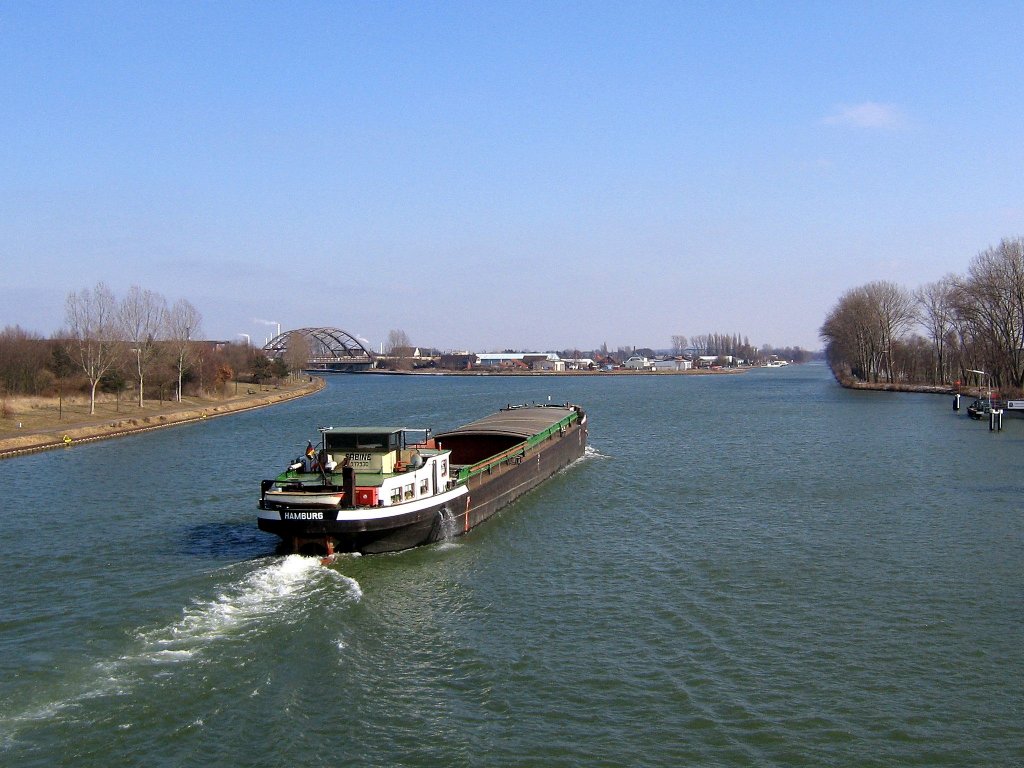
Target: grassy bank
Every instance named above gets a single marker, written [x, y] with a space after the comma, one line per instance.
[849, 382]
[932, 389]
[29, 424]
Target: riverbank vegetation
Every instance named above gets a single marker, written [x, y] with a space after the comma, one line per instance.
[966, 329]
[138, 347]
[30, 423]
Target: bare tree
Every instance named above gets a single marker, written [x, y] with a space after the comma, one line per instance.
[974, 323]
[297, 355]
[143, 318]
[24, 359]
[92, 327]
[893, 310]
[853, 342]
[936, 313]
[679, 344]
[990, 302]
[398, 340]
[183, 323]
[399, 348]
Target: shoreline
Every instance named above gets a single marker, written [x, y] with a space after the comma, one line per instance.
[921, 389]
[914, 389]
[482, 372]
[70, 433]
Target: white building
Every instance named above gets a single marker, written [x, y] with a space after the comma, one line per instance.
[672, 364]
[537, 361]
[706, 361]
[637, 363]
[547, 364]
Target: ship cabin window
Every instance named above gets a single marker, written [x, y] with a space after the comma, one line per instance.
[396, 496]
[410, 491]
[347, 442]
[424, 487]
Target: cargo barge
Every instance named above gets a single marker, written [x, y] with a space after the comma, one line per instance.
[385, 489]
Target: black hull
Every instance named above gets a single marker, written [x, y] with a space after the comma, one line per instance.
[368, 535]
[489, 492]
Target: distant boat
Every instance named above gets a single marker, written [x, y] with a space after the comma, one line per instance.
[775, 363]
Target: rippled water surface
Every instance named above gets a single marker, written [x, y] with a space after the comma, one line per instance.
[760, 569]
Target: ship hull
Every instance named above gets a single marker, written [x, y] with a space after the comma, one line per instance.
[365, 530]
[489, 494]
[492, 485]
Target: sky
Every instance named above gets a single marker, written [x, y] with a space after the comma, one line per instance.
[503, 175]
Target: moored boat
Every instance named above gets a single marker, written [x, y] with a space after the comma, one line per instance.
[384, 489]
[982, 406]
[979, 408]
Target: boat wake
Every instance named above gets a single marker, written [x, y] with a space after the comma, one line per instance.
[448, 529]
[43, 711]
[590, 452]
[271, 592]
[248, 604]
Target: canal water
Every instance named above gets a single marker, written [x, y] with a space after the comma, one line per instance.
[752, 570]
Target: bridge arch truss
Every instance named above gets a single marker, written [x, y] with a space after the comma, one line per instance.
[330, 349]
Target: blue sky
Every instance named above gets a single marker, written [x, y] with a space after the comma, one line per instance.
[504, 175]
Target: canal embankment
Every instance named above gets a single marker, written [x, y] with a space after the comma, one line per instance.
[42, 429]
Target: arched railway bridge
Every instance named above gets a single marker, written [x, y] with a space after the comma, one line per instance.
[328, 350]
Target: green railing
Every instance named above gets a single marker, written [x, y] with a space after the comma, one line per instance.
[517, 451]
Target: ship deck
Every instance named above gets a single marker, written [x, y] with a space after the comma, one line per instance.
[523, 422]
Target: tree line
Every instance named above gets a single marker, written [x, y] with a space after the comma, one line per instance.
[107, 342]
[967, 328]
[734, 346]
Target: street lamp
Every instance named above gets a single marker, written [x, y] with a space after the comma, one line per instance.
[248, 341]
[983, 375]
